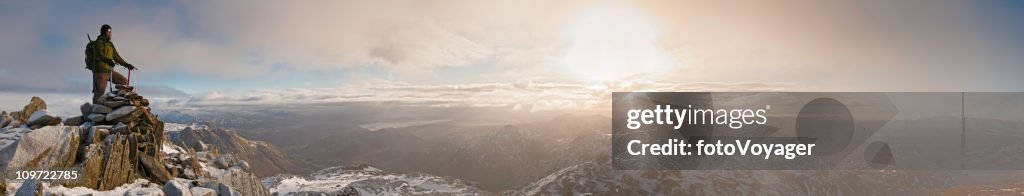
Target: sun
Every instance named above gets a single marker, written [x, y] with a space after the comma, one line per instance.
[611, 41]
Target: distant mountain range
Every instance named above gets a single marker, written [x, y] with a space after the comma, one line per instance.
[568, 154]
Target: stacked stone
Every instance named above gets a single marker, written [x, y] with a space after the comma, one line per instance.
[119, 106]
[122, 141]
[122, 111]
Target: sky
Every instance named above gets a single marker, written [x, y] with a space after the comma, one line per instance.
[527, 54]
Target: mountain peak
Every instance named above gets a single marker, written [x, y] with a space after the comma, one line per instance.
[117, 146]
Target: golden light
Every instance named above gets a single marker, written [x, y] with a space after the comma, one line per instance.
[611, 41]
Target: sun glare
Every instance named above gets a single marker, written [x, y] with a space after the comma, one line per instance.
[611, 41]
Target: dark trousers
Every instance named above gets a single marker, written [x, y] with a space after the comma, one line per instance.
[99, 83]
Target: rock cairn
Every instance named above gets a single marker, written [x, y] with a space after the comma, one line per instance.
[124, 112]
[122, 140]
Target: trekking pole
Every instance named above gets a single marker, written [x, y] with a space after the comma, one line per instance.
[134, 88]
[110, 80]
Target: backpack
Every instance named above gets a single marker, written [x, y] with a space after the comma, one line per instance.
[90, 61]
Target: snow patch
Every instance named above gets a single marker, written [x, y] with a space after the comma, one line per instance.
[9, 136]
[139, 186]
[175, 127]
[39, 114]
[368, 181]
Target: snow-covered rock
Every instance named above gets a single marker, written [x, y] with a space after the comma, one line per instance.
[263, 158]
[176, 127]
[177, 187]
[124, 159]
[43, 117]
[9, 136]
[243, 182]
[243, 164]
[51, 146]
[138, 187]
[598, 178]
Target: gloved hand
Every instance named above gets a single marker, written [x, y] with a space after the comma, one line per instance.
[129, 66]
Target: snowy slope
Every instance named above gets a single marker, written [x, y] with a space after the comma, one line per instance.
[139, 187]
[598, 178]
[367, 180]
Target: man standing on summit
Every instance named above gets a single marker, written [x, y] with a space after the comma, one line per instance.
[100, 57]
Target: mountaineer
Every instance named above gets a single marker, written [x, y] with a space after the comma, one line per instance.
[100, 57]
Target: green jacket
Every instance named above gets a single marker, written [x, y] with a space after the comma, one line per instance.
[99, 52]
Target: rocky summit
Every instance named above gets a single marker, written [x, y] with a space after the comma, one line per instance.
[118, 147]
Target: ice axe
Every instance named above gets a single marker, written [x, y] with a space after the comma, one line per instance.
[110, 81]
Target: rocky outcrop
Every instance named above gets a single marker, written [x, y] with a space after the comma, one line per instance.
[244, 182]
[209, 170]
[263, 158]
[33, 105]
[119, 145]
[107, 159]
[47, 147]
[24, 118]
[119, 149]
[109, 162]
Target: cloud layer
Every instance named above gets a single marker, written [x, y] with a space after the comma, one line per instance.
[507, 52]
[521, 95]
